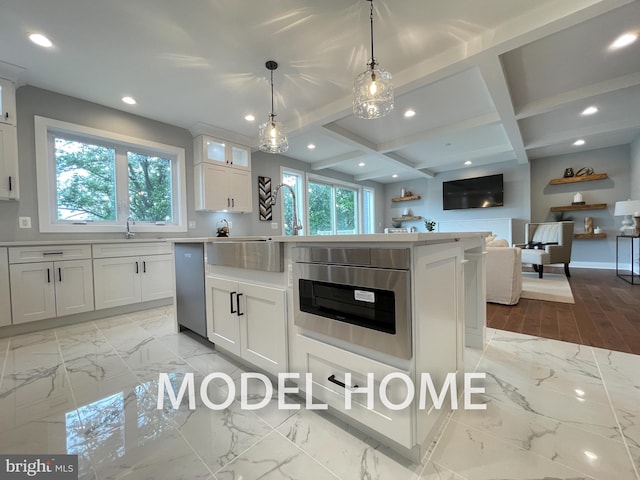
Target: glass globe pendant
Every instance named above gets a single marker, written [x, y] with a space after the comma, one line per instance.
[273, 137]
[372, 89]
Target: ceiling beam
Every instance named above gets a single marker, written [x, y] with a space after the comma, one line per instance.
[337, 160]
[479, 121]
[482, 153]
[493, 74]
[571, 135]
[549, 104]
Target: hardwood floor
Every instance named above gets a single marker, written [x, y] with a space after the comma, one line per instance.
[606, 313]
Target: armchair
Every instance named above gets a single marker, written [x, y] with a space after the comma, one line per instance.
[553, 242]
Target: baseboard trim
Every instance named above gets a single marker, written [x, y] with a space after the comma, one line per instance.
[56, 322]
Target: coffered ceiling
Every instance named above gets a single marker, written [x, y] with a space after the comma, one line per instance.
[490, 80]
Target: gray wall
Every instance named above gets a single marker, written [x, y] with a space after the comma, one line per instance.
[613, 161]
[635, 169]
[34, 101]
[516, 196]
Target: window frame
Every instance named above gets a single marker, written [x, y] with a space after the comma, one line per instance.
[333, 183]
[46, 178]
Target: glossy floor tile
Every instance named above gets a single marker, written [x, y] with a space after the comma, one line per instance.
[554, 410]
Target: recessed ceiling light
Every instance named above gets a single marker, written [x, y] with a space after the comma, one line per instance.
[579, 392]
[249, 118]
[624, 40]
[410, 113]
[129, 100]
[41, 40]
[468, 162]
[590, 455]
[311, 146]
[395, 175]
[590, 110]
[579, 143]
[361, 164]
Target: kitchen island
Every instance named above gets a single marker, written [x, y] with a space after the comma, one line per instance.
[355, 311]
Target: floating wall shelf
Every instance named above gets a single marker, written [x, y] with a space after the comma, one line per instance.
[589, 236]
[405, 199]
[571, 208]
[406, 218]
[584, 178]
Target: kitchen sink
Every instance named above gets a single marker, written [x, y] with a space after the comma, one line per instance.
[252, 254]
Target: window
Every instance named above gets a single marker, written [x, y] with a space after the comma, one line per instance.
[332, 207]
[295, 180]
[93, 181]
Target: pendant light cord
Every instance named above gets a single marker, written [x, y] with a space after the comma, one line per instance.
[373, 58]
[272, 114]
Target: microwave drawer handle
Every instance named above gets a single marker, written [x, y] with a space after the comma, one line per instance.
[332, 379]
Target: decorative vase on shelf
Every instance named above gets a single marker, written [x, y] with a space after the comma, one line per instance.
[577, 199]
[588, 225]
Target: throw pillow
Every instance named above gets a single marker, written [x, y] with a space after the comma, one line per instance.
[499, 242]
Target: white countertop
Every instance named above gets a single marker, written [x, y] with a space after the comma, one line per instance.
[373, 237]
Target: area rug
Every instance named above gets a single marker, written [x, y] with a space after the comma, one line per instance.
[553, 287]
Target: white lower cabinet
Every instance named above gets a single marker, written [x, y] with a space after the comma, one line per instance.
[5, 297]
[126, 280]
[249, 321]
[43, 290]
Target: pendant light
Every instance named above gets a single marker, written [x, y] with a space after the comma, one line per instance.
[372, 89]
[273, 138]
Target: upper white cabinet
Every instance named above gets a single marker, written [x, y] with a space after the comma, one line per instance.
[212, 150]
[5, 298]
[7, 102]
[222, 172]
[8, 142]
[220, 188]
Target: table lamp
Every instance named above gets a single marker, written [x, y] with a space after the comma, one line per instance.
[626, 209]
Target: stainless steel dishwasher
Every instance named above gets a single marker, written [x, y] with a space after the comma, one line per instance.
[190, 287]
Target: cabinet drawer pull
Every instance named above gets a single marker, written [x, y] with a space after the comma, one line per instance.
[48, 275]
[238, 304]
[52, 253]
[60, 274]
[231, 310]
[332, 379]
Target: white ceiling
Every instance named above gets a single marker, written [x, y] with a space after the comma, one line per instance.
[490, 80]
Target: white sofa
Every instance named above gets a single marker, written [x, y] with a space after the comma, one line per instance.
[504, 275]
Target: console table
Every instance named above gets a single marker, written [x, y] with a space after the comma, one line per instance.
[628, 276]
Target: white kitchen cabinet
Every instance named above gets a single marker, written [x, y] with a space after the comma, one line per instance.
[214, 151]
[133, 279]
[248, 320]
[220, 188]
[41, 290]
[5, 297]
[8, 162]
[7, 102]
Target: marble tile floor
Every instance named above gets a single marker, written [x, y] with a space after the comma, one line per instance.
[555, 410]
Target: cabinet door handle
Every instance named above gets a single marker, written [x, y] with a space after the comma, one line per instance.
[10, 183]
[137, 268]
[144, 267]
[233, 202]
[60, 274]
[6, 115]
[48, 275]
[238, 304]
[332, 379]
[231, 294]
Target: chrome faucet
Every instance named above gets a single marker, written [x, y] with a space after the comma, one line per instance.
[274, 198]
[128, 234]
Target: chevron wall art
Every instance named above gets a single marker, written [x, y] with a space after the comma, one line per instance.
[264, 197]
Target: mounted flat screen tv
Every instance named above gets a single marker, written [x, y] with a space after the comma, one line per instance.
[479, 192]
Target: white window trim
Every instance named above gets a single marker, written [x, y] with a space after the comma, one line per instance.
[302, 202]
[333, 183]
[46, 179]
[373, 209]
